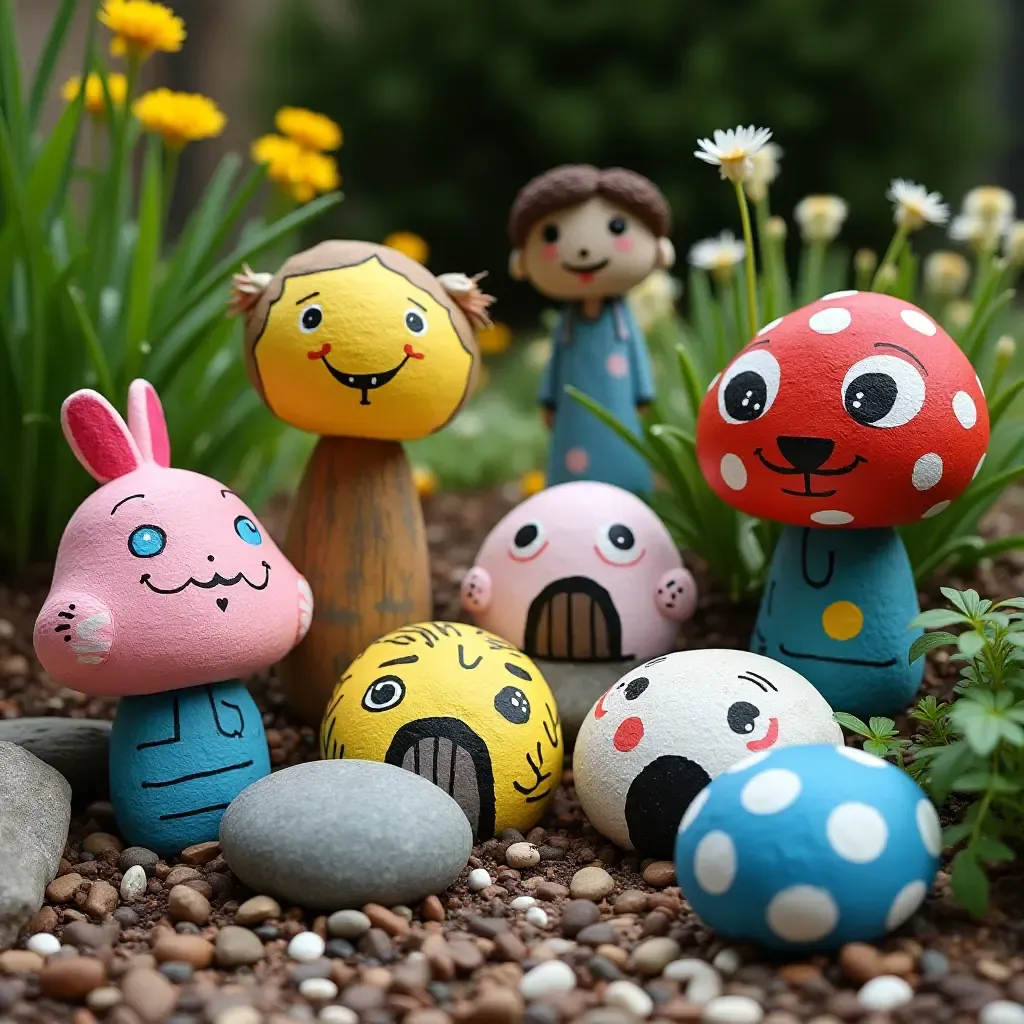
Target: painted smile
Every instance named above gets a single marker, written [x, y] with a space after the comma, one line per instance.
[808, 491]
[364, 382]
[770, 737]
[863, 662]
[586, 271]
[215, 581]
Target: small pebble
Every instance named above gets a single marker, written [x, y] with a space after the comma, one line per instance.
[522, 855]
[934, 964]
[72, 977]
[591, 884]
[43, 943]
[256, 910]
[629, 997]
[185, 904]
[660, 873]
[733, 1010]
[102, 899]
[1001, 1011]
[577, 915]
[97, 842]
[133, 883]
[523, 903]
[338, 1015]
[236, 947]
[340, 948]
[536, 917]
[318, 990]
[99, 1000]
[177, 971]
[479, 879]
[703, 981]
[653, 955]
[728, 961]
[546, 979]
[139, 855]
[885, 992]
[20, 961]
[306, 946]
[348, 924]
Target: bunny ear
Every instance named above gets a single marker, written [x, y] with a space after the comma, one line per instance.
[147, 424]
[98, 436]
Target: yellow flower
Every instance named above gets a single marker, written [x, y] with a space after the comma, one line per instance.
[425, 480]
[95, 101]
[313, 131]
[409, 244]
[532, 482]
[946, 273]
[302, 173]
[180, 117]
[495, 339]
[140, 27]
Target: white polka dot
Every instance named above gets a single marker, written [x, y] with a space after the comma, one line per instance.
[977, 468]
[918, 321]
[965, 410]
[927, 471]
[771, 791]
[936, 509]
[861, 757]
[840, 295]
[981, 387]
[714, 380]
[802, 913]
[857, 832]
[908, 899]
[747, 762]
[831, 320]
[831, 517]
[734, 473]
[770, 327]
[714, 863]
[929, 827]
[696, 806]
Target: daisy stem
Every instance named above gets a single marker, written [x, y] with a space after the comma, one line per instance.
[815, 268]
[899, 238]
[768, 257]
[748, 237]
[981, 272]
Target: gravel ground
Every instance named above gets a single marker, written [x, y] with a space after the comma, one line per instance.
[600, 942]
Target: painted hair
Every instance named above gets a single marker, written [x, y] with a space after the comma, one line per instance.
[572, 184]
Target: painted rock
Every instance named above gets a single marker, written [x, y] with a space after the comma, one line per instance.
[581, 572]
[836, 607]
[654, 741]
[460, 707]
[336, 834]
[807, 848]
[855, 411]
[178, 759]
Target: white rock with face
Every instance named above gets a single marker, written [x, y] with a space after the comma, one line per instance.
[666, 729]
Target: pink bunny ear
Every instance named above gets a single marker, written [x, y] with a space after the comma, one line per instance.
[98, 436]
[147, 424]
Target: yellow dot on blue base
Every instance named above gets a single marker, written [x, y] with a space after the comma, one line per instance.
[842, 620]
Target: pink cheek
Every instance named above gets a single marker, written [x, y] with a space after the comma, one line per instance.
[623, 244]
[629, 733]
[549, 253]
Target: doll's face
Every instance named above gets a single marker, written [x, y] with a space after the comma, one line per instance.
[592, 250]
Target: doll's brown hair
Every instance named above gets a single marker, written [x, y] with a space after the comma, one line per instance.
[572, 184]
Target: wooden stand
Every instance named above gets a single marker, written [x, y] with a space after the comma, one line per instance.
[357, 535]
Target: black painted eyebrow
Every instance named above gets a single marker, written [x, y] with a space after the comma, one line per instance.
[517, 671]
[409, 659]
[415, 303]
[905, 351]
[123, 500]
[306, 298]
[754, 344]
[227, 491]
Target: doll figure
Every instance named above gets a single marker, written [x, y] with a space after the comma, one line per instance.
[584, 237]
[165, 591]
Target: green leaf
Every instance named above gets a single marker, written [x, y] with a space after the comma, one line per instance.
[957, 599]
[970, 886]
[882, 726]
[929, 641]
[983, 781]
[851, 722]
[988, 848]
[877, 748]
[51, 54]
[970, 644]
[953, 834]
[998, 406]
[937, 618]
[11, 104]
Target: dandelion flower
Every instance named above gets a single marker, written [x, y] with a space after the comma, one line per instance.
[425, 480]
[915, 206]
[763, 171]
[990, 203]
[409, 244]
[302, 173]
[946, 273]
[732, 150]
[820, 217]
[532, 482]
[95, 100]
[314, 131]
[718, 255]
[141, 27]
[180, 117]
[654, 298]
[1013, 242]
[966, 228]
[495, 339]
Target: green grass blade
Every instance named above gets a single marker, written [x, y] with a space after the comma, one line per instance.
[48, 61]
[610, 420]
[243, 198]
[93, 345]
[691, 381]
[11, 87]
[998, 406]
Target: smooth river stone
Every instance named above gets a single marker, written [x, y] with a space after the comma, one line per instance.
[77, 747]
[35, 811]
[577, 686]
[338, 834]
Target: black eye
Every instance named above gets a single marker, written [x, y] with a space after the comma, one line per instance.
[749, 387]
[415, 322]
[384, 693]
[746, 396]
[870, 397]
[526, 535]
[550, 233]
[512, 705]
[617, 226]
[621, 537]
[883, 391]
[637, 687]
[741, 717]
[310, 319]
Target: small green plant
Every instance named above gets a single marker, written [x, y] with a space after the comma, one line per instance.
[881, 737]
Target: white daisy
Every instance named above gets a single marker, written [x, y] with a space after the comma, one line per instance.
[991, 204]
[775, 228]
[732, 150]
[820, 217]
[915, 205]
[966, 228]
[946, 273]
[718, 255]
[764, 170]
[654, 298]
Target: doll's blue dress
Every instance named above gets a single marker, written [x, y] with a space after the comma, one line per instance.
[606, 358]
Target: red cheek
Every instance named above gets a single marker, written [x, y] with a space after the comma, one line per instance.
[629, 734]
[549, 252]
[623, 244]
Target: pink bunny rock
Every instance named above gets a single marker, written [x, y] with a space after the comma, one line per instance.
[166, 589]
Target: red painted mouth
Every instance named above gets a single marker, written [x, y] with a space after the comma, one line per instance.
[629, 733]
[599, 709]
[412, 353]
[324, 350]
[770, 738]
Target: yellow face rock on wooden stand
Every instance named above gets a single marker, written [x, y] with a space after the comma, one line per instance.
[461, 707]
[364, 346]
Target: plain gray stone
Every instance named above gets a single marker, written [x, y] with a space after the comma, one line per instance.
[79, 748]
[577, 686]
[35, 811]
[337, 834]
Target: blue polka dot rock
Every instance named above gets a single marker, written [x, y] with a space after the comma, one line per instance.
[807, 848]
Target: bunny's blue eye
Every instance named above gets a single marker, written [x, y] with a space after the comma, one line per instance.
[248, 530]
[147, 541]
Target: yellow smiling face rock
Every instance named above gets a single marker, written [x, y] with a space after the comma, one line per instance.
[357, 340]
[461, 707]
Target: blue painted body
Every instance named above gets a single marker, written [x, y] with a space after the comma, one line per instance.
[606, 359]
[177, 759]
[867, 674]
